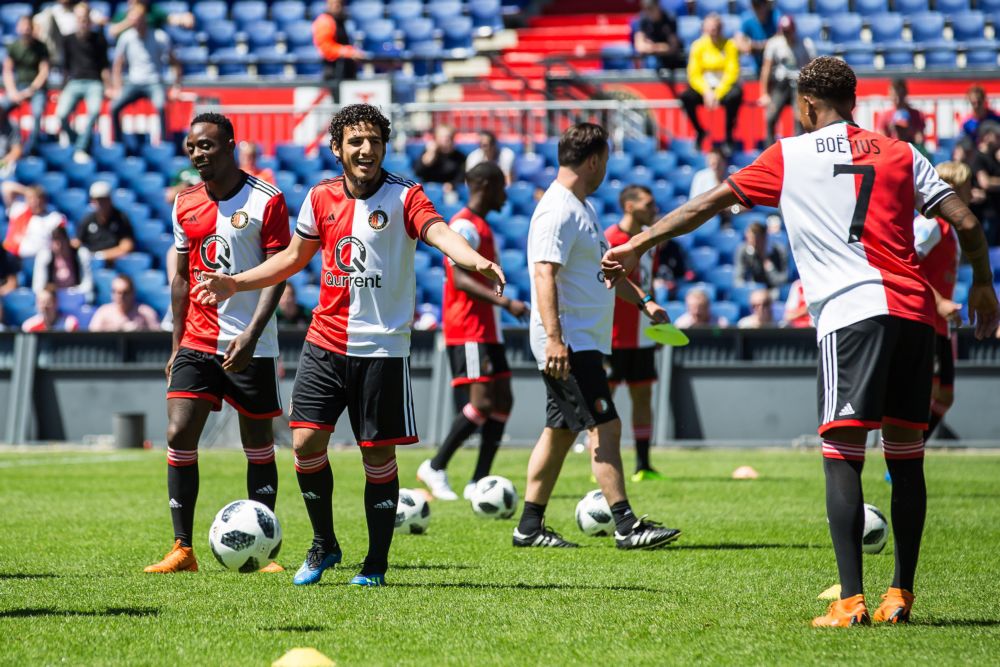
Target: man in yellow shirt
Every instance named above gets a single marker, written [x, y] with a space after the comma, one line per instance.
[713, 78]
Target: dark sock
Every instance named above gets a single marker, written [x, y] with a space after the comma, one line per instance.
[316, 484]
[845, 512]
[182, 485]
[531, 518]
[491, 435]
[642, 454]
[381, 495]
[909, 509]
[465, 424]
[624, 517]
[262, 476]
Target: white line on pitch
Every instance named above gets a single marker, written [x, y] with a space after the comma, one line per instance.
[71, 459]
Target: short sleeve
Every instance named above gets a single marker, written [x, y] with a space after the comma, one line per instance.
[552, 236]
[274, 234]
[306, 226]
[467, 230]
[926, 235]
[928, 188]
[419, 213]
[125, 227]
[760, 182]
[180, 236]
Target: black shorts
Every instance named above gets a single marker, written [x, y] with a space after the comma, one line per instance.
[375, 391]
[944, 361]
[477, 362]
[253, 391]
[876, 371]
[632, 365]
[582, 401]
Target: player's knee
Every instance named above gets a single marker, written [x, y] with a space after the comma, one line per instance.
[180, 435]
[375, 456]
[482, 404]
[944, 398]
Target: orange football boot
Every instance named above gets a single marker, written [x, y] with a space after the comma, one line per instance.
[895, 607]
[179, 559]
[844, 613]
[271, 568]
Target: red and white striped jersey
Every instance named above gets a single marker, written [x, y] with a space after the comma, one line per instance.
[367, 290]
[847, 196]
[939, 254]
[466, 319]
[229, 236]
[628, 331]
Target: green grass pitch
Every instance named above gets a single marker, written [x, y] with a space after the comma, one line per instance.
[739, 587]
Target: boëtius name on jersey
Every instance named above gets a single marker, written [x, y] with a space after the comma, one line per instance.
[352, 267]
[844, 145]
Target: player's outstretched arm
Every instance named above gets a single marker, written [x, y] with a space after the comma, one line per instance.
[180, 299]
[456, 248]
[215, 288]
[629, 291]
[621, 260]
[984, 312]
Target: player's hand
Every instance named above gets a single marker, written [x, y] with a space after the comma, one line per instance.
[763, 100]
[983, 309]
[618, 263]
[556, 359]
[239, 353]
[170, 365]
[656, 312]
[494, 273]
[213, 289]
[709, 97]
[518, 309]
[950, 311]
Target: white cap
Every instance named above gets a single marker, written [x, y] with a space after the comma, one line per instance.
[100, 190]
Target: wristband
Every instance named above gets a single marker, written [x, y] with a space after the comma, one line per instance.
[643, 301]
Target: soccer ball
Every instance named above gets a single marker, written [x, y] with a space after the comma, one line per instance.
[494, 498]
[593, 515]
[876, 530]
[413, 513]
[245, 536]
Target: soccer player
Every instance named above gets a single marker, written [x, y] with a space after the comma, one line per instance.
[230, 222]
[570, 335]
[474, 339]
[848, 197]
[633, 355]
[356, 354]
[937, 251]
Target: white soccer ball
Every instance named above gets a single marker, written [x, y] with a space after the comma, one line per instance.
[593, 515]
[245, 536]
[876, 530]
[413, 512]
[494, 498]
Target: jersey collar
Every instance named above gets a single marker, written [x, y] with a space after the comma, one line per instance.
[381, 181]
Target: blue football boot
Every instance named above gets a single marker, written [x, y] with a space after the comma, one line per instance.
[316, 561]
[367, 580]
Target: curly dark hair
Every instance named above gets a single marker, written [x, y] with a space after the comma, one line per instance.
[224, 124]
[356, 114]
[829, 79]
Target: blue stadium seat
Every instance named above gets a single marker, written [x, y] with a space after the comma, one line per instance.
[619, 165]
[845, 28]
[708, 288]
[220, 34]
[193, 59]
[989, 7]
[688, 29]
[830, 8]
[940, 55]
[726, 241]
[315, 8]
[674, 308]
[307, 61]
[741, 294]
[809, 25]
[663, 195]
[617, 56]
[295, 197]
[289, 154]
[29, 169]
[886, 28]
[53, 181]
[949, 7]
[609, 193]
[793, 6]
[398, 163]
[598, 205]
[681, 179]
[366, 11]
[380, 36]
[521, 195]
[910, 7]
[181, 37]
[270, 61]
[418, 30]
[871, 7]
[927, 27]
[528, 166]
[705, 7]
[285, 179]
[981, 54]
[549, 149]
[663, 164]
[722, 277]
[610, 220]
[967, 26]
[70, 301]
[403, 11]
[731, 25]
[18, 305]
[208, 12]
[486, 13]
[308, 296]
[457, 32]
[513, 260]
[640, 175]
[702, 260]
[640, 148]
[11, 12]
[54, 154]
[286, 12]
[246, 12]
[261, 34]
[898, 54]
[108, 177]
[726, 310]
[107, 156]
[133, 264]
[169, 6]
[298, 33]
[443, 10]
[150, 278]
[157, 156]
[158, 298]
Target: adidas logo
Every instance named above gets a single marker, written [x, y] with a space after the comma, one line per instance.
[174, 505]
[846, 411]
[309, 495]
[266, 490]
[387, 504]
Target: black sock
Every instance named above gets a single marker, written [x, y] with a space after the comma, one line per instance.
[465, 424]
[491, 435]
[182, 485]
[624, 517]
[316, 484]
[642, 454]
[262, 476]
[909, 508]
[381, 495]
[531, 518]
[845, 512]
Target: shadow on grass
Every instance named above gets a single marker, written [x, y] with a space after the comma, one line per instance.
[41, 612]
[730, 480]
[530, 587]
[960, 623]
[5, 576]
[296, 628]
[727, 546]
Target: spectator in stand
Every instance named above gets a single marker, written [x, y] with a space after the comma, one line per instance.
[490, 151]
[699, 312]
[340, 57]
[25, 73]
[981, 112]
[87, 71]
[155, 17]
[60, 266]
[756, 262]
[290, 313]
[796, 308]
[713, 78]
[248, 153]
[188, 177]
[57, 21]
[441, 162]
[9, 268]
[146, 52]
[10, 145]
[30, 222]
[106, 232]
[760, 23]
[654, 37]
[784, 55]
[124, 313]
[671, 267]
[716, 171]
[761, 312]
[49, 318]
[986, 179]
[901, 121]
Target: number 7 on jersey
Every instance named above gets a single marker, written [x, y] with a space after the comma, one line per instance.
[867, 172]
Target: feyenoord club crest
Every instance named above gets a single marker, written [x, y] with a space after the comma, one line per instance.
[378, 220]
[240, 219]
